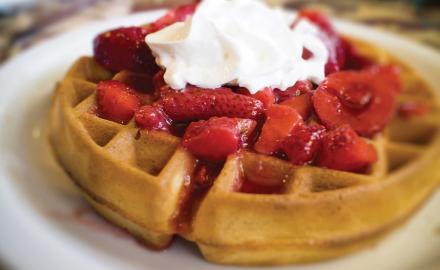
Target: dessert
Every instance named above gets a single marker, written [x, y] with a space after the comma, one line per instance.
[288, 155]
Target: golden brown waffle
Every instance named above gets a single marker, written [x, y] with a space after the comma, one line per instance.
[137, 179]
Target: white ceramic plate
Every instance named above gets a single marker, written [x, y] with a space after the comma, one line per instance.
[44, 223]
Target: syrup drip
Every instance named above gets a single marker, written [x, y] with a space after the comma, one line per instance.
[195, 189]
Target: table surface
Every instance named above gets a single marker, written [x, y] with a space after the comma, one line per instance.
[25, 24]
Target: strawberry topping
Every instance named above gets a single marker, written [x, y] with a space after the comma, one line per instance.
[335, 45]
[152, 117]
[140, 81]
[342, 149]
[213, 140]
[197, 103]
[299, 88]
[280, 122]
[354, 59]
[116, 101]
[266, 96]
[302, 104]
[366, 100]
[302, 145]
[124, 49]
[178, 14]
[319, 19]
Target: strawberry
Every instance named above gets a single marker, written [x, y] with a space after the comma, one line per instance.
[319, 19]
[158, 80]
[161, 87]
[124, 49]
[299, 88]
[151, 117]
[302, 145]
[213, 140]
[116, 101]
[198, 103]
[354, 59]
[280, 122]
[302, 104]
[140, 81]
[366, 100]
[342, 149]
[178, 14]
[242, 91]
[266, 96]
[333, 42]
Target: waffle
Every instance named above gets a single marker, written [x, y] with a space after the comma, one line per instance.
[140, 179]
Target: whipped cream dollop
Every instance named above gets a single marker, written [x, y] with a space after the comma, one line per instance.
[238, 42]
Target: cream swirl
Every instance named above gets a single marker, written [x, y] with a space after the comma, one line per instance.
[240, 42]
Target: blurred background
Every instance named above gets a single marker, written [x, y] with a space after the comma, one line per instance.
[24, 23]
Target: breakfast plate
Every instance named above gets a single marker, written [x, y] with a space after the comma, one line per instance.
[46, 224]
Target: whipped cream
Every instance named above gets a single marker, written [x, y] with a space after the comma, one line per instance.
[239, 42]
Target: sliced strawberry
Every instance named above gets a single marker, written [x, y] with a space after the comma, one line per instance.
[354, 59]
[178, 14]
[158, 80]
[242, 91]
[198, 103]
[280, 122]
[161, 87]
[318, 18]
[302, 104]
[116, 101]
[302, 145]
[299, 88]
[366, 100]
[342, 149]
[141, 82]
[152, 117]
[124, 49]
[213, 140]
[266, 96]
[333, 42]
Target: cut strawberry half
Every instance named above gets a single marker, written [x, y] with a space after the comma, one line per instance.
[213, 140]
[280, 122]
[161, 87]
[342, 149]
[266, 96]
[333, 42]
[141, 82]
[178, 14]
[366, 100]
[152, 117]
[354, 59]
[302, 104]
[116, 101]
[199, 104]
[302, 145]
[124, 49]
[319, 19]
[299, 88]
